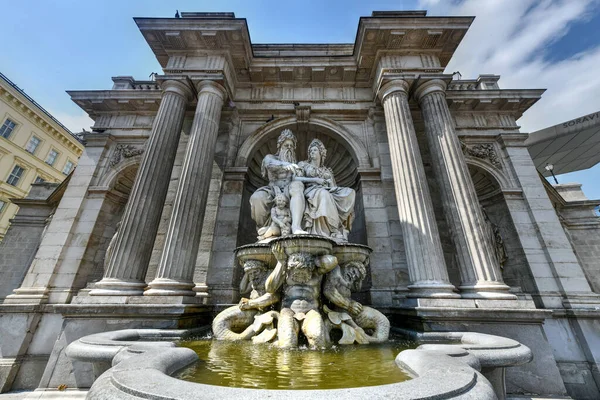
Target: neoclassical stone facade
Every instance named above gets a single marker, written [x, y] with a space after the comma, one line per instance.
[34, 148]
[436, 163]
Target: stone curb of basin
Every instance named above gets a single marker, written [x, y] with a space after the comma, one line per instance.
[451, 365]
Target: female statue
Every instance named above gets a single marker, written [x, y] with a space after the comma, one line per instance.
[329, 209]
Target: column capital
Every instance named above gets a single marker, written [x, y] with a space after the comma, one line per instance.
[211, 86]
[430, 86]
[393, 86]
[178, 86]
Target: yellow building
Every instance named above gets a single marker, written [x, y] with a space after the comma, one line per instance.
[34, 147]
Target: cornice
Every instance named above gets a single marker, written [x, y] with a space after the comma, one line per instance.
[45, 124]
[97, 101]
[513, 101]
[11, 191]
[513, 140]
[24, 162]
[210, 35]
[45, 175]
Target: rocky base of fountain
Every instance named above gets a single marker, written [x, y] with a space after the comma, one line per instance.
[299, 289]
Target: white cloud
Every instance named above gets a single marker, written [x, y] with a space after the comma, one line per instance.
[510, 37]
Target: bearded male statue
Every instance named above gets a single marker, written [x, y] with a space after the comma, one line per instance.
[280, 169]
[245, 320]
[338, 287]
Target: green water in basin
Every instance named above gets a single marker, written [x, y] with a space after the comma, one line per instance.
[263, 366]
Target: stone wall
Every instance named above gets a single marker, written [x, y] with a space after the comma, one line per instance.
[24, 236]
[388, 268]
[586, 242]
[582, 227]
[516, 272]
[92, 264]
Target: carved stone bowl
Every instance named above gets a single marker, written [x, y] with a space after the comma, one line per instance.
[257, 251]
[311, 244]
[351, 252]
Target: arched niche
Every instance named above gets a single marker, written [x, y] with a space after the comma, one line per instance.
[113, 190]
[329, 127]
[345, 155]
[489, 186]
[124, 172]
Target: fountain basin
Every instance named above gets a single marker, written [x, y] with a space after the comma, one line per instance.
[256, 251]
[244, 364]
[446, 365]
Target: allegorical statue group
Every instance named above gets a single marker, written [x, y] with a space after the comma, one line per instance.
[303, 220]
[301, 197]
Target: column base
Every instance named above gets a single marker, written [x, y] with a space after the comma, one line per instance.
[432, 290]
[201, 291]
[118, 287]
[488, 290]
[28, 296]
[170, 287]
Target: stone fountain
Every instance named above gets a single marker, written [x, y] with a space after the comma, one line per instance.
[302, 271]
[428, 169]
[297, 289]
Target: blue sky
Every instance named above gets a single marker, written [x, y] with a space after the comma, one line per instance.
[49, 46]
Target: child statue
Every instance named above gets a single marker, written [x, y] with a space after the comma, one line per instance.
[281, 219]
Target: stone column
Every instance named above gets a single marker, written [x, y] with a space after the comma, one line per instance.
[479, 270]
[176, 269]
[129, 260]
[426, 265]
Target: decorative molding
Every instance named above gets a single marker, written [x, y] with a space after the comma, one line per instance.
[124, 151]
[235, 174]
[46, 176]
[302, 114]
[24, 163]
[485, 151]
[41, 121]
[370, 173]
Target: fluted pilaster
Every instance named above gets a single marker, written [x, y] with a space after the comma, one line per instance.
[176, 269]
[426, 266]
[129, 260]
[479, 269]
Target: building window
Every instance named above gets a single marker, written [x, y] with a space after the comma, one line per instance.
[51, 157]
[2, 206]
[68, 167]
[7, 127]
[39, 179]
[15, 175]
[33, 144]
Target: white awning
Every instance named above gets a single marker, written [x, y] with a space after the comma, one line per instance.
[571, 146]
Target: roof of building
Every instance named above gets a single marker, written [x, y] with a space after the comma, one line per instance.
[402, 32]
[570, 146]
[37, 105]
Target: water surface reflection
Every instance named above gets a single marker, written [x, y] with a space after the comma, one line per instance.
[248, 365]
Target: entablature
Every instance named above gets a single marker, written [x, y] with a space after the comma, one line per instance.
[512, 101]
[179, 42]
[122, 100]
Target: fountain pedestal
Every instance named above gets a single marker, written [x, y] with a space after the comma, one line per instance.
[300, 289]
